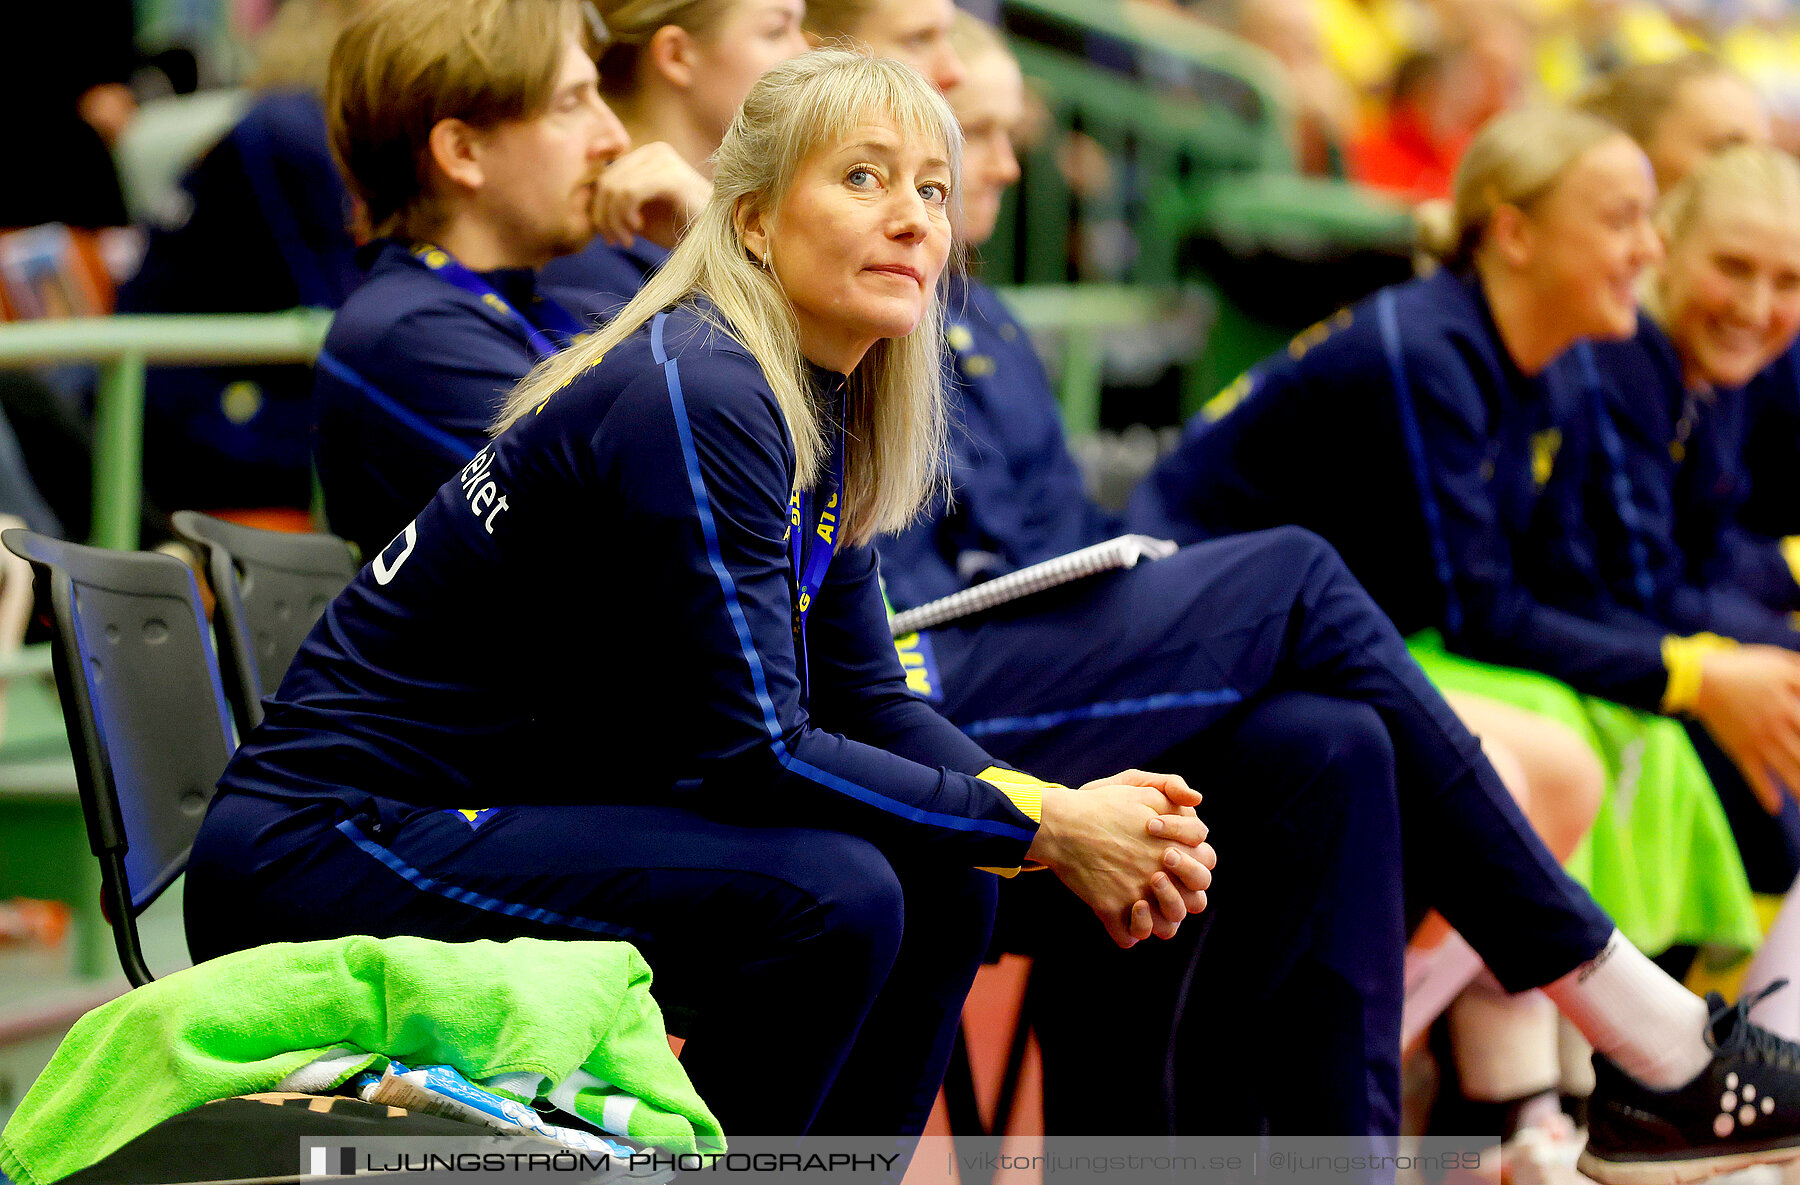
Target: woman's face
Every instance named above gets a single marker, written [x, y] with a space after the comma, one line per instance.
[1708, 113]
[1589, 238]
[916, 32]
[1731, 292]
[860, 240]
[751, 37]
[990, 104]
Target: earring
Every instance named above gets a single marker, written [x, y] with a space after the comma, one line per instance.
[765, 261]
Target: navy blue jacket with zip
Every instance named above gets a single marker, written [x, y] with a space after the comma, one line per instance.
[1660, 502]
[600, 607]
[1770, 464]
[1401, 431]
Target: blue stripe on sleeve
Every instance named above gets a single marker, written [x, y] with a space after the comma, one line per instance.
[710, 532]
[404, 415]
[715, 558]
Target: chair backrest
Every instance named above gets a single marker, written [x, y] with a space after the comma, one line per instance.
[270, 587]
[144, 710]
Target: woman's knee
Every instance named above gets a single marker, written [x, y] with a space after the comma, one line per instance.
[855, 907]
[1304, 739]
[1300, 551]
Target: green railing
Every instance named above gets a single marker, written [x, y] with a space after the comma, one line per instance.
[123, 345]
[1081, 316]
[1195, 126]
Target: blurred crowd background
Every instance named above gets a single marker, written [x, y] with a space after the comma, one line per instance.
[1256, 163]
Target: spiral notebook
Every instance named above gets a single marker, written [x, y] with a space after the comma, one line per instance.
[1123, 552]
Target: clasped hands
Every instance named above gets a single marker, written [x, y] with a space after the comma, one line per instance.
[1132, 847]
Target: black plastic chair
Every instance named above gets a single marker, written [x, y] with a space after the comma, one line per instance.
[145, 713]
[270, 587]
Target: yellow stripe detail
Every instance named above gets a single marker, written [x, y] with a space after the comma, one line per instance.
[1790, 551]
[1026, 793]
[1682, 657]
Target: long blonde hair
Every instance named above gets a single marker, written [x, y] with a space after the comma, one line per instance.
[895, 431]
[1515, 160]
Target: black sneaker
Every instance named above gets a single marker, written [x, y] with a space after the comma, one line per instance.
[1743, 1109]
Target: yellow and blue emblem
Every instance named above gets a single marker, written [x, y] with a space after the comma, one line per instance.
[1544, 447]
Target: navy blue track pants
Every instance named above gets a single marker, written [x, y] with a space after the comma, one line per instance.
[820, 979]
[1123, 669]
[1297, 996]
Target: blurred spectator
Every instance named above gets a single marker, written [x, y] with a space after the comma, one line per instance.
[1439, 99]
[1765, 45]
[1587, 38]
[1324, 105]
[65, 94]
[1680, 111]
[1412, 147]
[1367, 40]
[265, 227]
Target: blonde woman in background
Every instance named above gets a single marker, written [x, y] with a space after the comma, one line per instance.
[674, 71]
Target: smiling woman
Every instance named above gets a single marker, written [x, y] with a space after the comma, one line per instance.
[1723, 304]
[801, 849]
[1429, 432]
[1729, 290]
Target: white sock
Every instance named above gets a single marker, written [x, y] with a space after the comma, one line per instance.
[1434, 976]
[1630, 1010]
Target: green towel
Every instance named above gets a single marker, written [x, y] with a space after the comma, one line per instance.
[242, 1023]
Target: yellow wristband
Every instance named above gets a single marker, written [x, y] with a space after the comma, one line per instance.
[1682, 657]
[1026, 793]
[1790, 551]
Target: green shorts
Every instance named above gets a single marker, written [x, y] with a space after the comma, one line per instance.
[1660, 858]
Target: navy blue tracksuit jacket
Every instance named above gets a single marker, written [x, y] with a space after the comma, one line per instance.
[606, 276]
[572, 698]
[591, 505]
[1770, 465]
[1655, 506]
[413, 372]
[1402, 432]
[264, 226]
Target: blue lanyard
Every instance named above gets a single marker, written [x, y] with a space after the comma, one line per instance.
[556, 320]
[811, 550]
